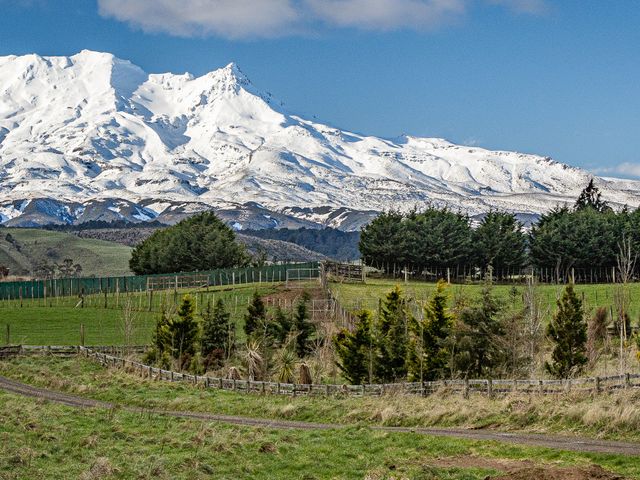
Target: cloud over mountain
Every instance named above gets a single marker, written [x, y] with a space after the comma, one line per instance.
[273, 18]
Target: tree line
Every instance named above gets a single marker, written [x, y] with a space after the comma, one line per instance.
[476, 338]
[588, 235]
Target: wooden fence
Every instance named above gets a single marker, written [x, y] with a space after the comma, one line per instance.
[487, 387]
[7, 351]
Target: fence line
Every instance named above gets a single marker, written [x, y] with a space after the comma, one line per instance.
[66, 287]
[473, 274]
[465, 387]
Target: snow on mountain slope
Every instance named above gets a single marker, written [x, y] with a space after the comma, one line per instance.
[79, 134]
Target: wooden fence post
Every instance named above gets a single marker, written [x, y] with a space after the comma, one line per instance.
[490, 388]
[82, 334]
[541, 387]
[598, 386]
[627, 380]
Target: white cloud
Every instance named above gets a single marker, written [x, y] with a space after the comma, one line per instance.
[272, 18]
[387, 14]
[225, 18]
[626, 169]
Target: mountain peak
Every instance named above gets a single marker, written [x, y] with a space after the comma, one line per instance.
[231, 75]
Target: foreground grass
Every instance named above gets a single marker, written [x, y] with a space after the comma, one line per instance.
[58, 320]
[47, 441]
[357, 296]
[614, 416]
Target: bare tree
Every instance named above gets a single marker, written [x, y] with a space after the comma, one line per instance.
[533, 322]
[128, 324]
[626, 261]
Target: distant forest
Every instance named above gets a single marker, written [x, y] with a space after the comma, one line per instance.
[333, 243]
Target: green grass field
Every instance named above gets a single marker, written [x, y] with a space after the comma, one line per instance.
[356, 296]
[33, 246]
[42, 440]
[58, 320]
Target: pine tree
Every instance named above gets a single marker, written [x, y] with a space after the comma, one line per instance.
[160, 338]
[256, 315]
[200, 242]
[184, 330]
[590, 197]
[279, 326]
[568, 331]
[216, 341]
[478, 339]
[302, 326]
[354, 350]
[429, 354]
[391, 338]
[499, 242]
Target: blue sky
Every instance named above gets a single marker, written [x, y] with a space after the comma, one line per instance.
[554, 78]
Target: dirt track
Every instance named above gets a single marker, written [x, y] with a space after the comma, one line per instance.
[548, 441]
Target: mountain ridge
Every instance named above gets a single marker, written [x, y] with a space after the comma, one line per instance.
[92, 136]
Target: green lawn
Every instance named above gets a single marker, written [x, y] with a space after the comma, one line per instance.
[58, 320]
[356, 296]
[46, 441]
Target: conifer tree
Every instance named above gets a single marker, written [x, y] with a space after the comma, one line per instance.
[160, 338]
[256, 315]
[500, 242]
[279, 326]
[302, 326]
[392, 338]
[354, 350]
[216, 339]
[568, 331]
[429, 354]
[184, 329]
[478, 339]
[590, 197]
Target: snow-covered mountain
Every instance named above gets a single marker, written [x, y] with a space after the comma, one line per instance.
[94, 137]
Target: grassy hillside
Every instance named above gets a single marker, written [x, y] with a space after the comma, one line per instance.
[22, 249]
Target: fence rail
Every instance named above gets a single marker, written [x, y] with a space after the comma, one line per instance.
[461, 387]
[8, 351]
[65, 287]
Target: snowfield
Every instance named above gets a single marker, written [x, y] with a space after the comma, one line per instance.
[94, 137]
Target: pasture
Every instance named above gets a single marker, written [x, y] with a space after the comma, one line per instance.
[100, 318]
[357, 296]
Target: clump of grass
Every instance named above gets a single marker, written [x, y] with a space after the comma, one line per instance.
[101, 468]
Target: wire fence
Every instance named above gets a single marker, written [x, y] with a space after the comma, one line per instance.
[513, 275]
